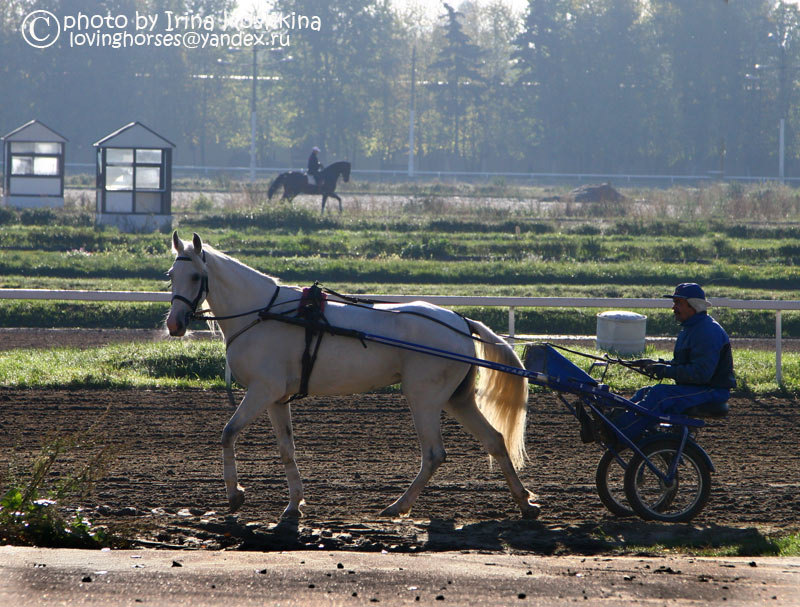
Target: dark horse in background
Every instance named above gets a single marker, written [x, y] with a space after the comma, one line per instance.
[296, 182]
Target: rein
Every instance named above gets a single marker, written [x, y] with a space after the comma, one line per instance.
[605, 358]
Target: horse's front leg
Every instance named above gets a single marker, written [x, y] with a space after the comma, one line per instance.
[324, 200]
[248, 410]
[336, 196]
[280, 415]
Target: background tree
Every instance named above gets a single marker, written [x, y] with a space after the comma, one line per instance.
[604, 86]
[492, 135]
[461, 85]
[543, 82]
[336, 74]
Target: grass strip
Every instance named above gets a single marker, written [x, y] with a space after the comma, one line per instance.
[201, 364]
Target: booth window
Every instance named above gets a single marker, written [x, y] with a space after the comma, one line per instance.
[35, 159]
[129, 169]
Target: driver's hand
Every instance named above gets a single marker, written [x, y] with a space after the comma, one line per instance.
[641, 362]
[657, 370]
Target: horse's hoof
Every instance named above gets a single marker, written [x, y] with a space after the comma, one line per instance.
[235, 502]
[390, 512]
[291, 514]
[393, 511]
[531, 511]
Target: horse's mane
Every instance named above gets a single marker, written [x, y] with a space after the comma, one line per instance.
[238, 266]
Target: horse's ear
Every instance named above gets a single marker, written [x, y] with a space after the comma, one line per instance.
[177, 243]
[198, 244]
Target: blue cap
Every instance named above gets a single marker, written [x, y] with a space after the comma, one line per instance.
[688, 290]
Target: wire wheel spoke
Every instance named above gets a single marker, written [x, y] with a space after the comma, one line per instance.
[680, 498]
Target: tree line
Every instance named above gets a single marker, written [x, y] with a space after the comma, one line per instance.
[600, 86]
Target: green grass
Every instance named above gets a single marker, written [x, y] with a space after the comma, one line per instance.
[396, 269]
[717, 543]
[788, 545]
[168, 364]
[201, 364]
[431, 244]
[456, 248]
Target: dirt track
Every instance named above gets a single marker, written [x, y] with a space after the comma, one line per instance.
[358, 454]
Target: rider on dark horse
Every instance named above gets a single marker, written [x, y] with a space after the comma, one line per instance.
[314, 167]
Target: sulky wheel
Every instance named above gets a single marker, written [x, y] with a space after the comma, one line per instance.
[678, 502]
[610, 481]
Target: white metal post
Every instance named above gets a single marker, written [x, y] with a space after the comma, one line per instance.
[778, 348]
[781, 149]
[511, 323]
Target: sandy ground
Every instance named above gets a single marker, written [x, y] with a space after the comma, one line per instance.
[358, 454]
[34, 577]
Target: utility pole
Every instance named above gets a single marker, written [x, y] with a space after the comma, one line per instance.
[411, 112]
[253, 119]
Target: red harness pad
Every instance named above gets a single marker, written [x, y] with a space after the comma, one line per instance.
[313, 297]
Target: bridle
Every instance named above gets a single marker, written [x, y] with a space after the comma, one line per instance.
[201, 293]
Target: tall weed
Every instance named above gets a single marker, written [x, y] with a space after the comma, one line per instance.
[34, 503]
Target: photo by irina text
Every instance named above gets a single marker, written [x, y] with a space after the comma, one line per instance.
[43, 29]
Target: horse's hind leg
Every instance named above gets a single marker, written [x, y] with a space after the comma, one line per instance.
[427, 420]
[464, 409]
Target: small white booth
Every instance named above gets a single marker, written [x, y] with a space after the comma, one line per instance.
[134, 179]
[34, 168]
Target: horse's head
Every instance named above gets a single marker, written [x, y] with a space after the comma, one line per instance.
[346, 172]
[189, 278]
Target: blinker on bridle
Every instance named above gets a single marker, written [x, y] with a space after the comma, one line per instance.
[200, 294]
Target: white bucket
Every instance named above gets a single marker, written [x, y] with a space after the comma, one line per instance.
[622, 332]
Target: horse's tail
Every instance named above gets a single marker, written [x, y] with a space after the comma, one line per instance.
[276, 183]
[502, 397]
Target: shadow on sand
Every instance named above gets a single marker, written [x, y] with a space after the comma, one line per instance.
[422, 535]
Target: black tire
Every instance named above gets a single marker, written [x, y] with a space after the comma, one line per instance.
[610, 481]
[651, 499]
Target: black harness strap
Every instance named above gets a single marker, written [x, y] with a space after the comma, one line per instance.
[301, 322]
[311, 316]
[252, 324]
[312, 310]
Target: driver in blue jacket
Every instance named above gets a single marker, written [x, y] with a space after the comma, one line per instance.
[701, 365]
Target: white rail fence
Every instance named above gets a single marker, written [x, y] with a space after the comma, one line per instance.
[511, 303]
[619, 179]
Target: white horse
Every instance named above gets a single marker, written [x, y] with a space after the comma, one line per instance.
[266, 359]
